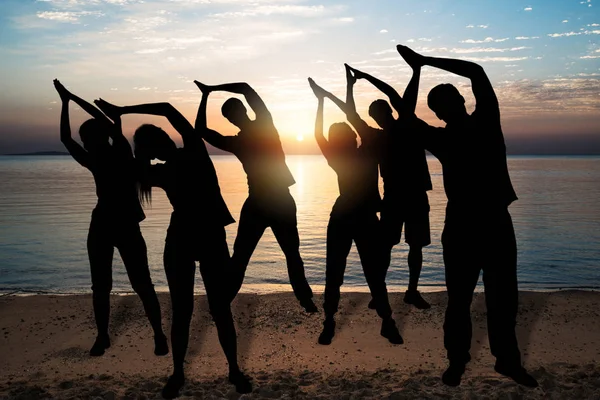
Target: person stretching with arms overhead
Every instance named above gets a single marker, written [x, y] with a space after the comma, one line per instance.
[196, 231]
[354, 214]
[269, 201]
[116, 217]
[406, 180]
[472, 152]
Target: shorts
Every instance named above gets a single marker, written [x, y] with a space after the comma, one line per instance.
[412, 213]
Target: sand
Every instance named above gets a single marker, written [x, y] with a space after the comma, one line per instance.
[44, 343]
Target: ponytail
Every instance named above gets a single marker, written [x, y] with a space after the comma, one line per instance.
[144, 188]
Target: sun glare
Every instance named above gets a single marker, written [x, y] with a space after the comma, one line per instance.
[300, 138]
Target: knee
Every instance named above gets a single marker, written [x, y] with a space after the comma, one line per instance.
[103, 287]
[143, 288]
[221, 314]
[294, 260]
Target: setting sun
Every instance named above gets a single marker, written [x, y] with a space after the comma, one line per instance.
[300, 138]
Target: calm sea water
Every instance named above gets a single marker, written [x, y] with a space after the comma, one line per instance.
[46, 203]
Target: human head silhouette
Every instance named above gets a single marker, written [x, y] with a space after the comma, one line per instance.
[341, 137]
[94, 135]
[447, 103]
[233, 109]
[151, 142]
[381, 112]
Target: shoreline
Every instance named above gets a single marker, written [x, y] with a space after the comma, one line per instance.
[264, 290]
[44, 340]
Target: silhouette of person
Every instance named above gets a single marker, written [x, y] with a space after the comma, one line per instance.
[269, 201]
[196, 231]
[116, 218]
[406, 180]
[354, 214]
[472, 152]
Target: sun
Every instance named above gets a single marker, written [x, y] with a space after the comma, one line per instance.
[300, 138]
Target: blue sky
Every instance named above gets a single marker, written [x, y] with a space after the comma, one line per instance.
[543, 58]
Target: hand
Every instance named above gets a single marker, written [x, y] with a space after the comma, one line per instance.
[415, 60]
[205, 89]
[350, 76]
[357, 74]
[113, 112]
[64, 94]
[317, 90]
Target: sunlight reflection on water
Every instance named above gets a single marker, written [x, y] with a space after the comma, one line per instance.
[46, 202]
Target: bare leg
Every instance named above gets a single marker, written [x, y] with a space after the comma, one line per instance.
[250, 229]
[135, 257]
[180, 270]
[100, 253]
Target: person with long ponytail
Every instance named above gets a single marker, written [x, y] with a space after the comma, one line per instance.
[196, 231]
[115, 221]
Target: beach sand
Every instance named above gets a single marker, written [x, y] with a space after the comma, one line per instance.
[44, 343]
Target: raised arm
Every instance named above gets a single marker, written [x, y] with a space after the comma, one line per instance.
[485, 96]
[115, 130]
[214, 138]
[253, 99]
[411, 93]
[90, 109]
[181, 125]
[389, 91]
[77, 152]
[363, 129]
[321, 141]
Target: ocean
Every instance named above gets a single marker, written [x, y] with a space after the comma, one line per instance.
[46, 204]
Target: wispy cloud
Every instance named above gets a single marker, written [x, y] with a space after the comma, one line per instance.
[528, 9]
[486, 50]
[486, 40]
[526, 37]
[67, 16]
[496, 59]
[572, 33]
[272, 9]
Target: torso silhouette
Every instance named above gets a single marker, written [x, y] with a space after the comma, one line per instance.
[259, 150]
[190, 182]
[114, 173]
[403, 163]
[358, 180]
[473, 158]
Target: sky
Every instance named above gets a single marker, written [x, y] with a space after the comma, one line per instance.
[543, 58]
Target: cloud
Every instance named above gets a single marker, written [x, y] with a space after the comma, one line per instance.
[547, 96]
[486, 40]
[67, 16]
[528, 9]
[565, 21]
[287, 9]
[527, 37]
[386, 51]
[383, 31]
[486, 50]
[572, 33]
[496, 59]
